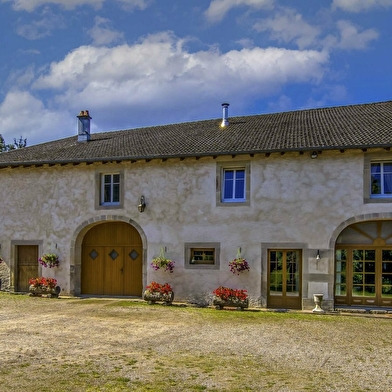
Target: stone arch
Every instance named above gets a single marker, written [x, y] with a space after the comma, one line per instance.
[361, 258]
[356, 219]
[76, 247]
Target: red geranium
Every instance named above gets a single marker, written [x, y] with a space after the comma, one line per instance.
[225, 293]
[155, 287]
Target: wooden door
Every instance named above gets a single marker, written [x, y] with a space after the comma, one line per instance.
[112, 260]
[284, 276]
[27, 266]
[363, 276]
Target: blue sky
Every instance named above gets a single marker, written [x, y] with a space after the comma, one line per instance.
[135, 63]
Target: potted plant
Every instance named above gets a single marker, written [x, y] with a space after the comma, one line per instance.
[239, 264]
[44, 286]
[225, 296]
[161, 262]
[159, 292]
[49, 260]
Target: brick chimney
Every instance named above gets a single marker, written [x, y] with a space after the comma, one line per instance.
[84, 126]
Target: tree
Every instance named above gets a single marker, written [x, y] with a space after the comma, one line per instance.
[18, 143]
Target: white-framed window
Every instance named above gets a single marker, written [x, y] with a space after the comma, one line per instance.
[381, 179]
[233, 187]
[377, 177]
[233, 183]
[109, 189]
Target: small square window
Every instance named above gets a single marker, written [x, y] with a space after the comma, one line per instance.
[202, 255]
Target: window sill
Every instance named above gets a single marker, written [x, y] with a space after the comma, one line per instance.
[378, 200]
[233, 204]
[109, 206]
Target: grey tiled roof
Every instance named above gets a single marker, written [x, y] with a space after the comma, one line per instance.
[345, 127]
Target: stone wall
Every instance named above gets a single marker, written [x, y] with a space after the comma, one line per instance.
[295, 202]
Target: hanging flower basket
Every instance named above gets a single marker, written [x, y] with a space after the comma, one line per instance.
[224, 296]
[156, 292]
[44, 287]
[239, 264]
[49, 260]
[161, 262]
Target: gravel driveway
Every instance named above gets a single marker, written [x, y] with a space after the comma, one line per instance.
[123, 345]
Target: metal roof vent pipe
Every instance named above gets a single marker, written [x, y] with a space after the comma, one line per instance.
[225, 117]
[83, 126]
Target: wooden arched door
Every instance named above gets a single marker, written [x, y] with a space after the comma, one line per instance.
[112, 260]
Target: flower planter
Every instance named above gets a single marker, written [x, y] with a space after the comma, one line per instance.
[152, 297]
[232, 302]
[44, 291]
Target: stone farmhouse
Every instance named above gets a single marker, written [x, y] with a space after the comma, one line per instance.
[304, 195]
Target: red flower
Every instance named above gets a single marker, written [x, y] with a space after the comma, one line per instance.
[155, 287]
[225, 293]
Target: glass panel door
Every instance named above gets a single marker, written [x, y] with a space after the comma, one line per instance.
[386, 277]
[363, 276]
[284, 276]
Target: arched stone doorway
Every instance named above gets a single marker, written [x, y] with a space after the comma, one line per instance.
[363, 264]
[111, 260]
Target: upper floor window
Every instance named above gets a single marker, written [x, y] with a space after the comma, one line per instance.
[233, 183]
[109, 191]
[110, 188]
[381, 179]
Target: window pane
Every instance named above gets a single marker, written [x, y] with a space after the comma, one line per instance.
[107, 194]
[387, 183]
[116, 193]
[340, 289]
[228, 184]
[240, 184]
[240, 189]
[376, 178]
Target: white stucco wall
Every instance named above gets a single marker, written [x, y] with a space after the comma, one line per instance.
[295, 202]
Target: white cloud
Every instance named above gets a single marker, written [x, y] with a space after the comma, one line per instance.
[288, 26]
[157, 78]
[23, 114]
[351, 38]
[31, 5]
[360, 5]
[102, 34]
[219, 8]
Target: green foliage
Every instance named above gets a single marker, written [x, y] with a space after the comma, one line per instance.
[18, 143]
